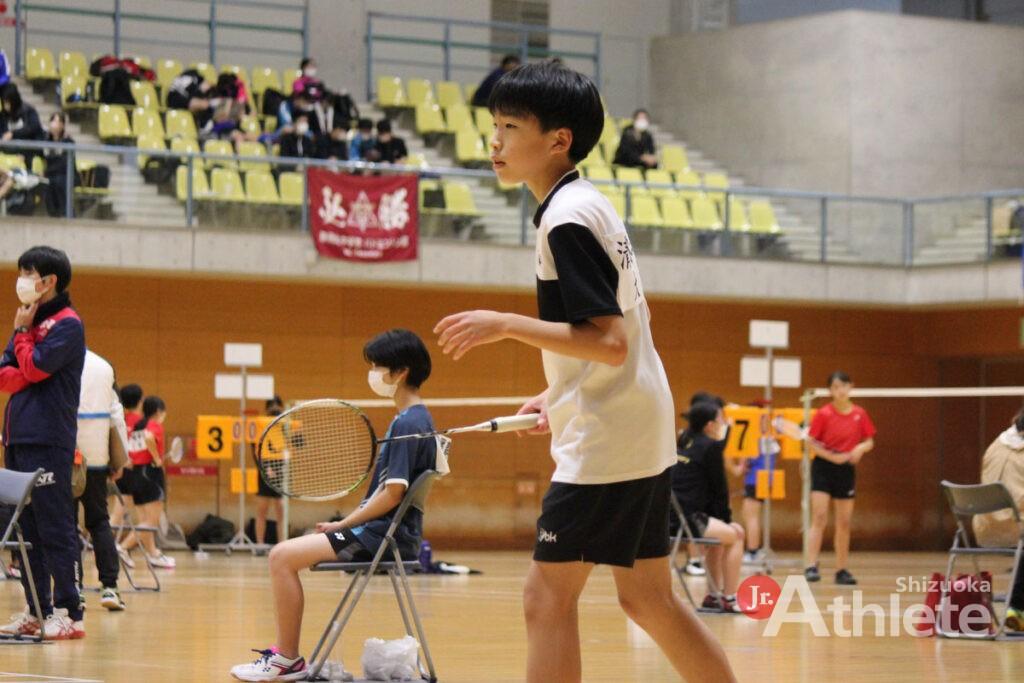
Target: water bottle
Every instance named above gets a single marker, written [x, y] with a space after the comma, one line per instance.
[426, 555]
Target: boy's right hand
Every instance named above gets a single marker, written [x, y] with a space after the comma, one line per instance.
[537, 404]
[327, 527]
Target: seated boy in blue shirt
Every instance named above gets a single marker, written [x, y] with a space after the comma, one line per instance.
[400, 363]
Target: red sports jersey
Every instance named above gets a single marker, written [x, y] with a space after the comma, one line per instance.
[130, 420]
[841, 433]
[137, 450]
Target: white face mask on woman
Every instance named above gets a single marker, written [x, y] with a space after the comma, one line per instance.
[26, 289]
[641, 124]
[375, 378]
[309, 72]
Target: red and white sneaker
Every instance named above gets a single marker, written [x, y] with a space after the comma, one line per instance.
[59, 626]
[271, 666]
[22, 624]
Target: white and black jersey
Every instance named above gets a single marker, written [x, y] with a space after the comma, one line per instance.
[608, 424]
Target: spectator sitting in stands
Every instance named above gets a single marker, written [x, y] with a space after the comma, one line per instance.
[20, 121]
[389, 148]
[636, 147]
[336, 145]
[363, 143]
[57, 166]
[483, 91]
[305, 100]
[308, 77]
[189, 91]
[229, 105]
[300, 142]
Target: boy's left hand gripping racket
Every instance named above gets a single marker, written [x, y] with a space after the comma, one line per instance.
[324, 449]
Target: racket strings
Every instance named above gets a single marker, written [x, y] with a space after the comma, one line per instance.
[317, 451]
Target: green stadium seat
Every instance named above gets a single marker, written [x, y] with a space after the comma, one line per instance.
[762, 217]
[226, 185]
[250, 125]
[390, 92]
[73, 64]
[449, 94]
[705, 214]
[149, 141]
[253, 149]
[484, 121]
[469, 148]
[643, 210]
[675, 213]
[738, 220]
[458, 199]
[145, 95]
[9, 162]
[143, 61]
[716, 180]
[458, 118]
[610, 132]
[260, 188]
[40, 65]
[291, 188]
[673, 158]
[113, 123]
[264, 77]
[419, 91]
[146, 122]
[186, 145]
[470, 89]
[692, 178]
[180, 123]
[200, 184]
[660, 177]
[600, 173]
[429, 119]
[166, 71]
[220, 147]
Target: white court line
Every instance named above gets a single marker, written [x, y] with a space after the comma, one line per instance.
[6, 677]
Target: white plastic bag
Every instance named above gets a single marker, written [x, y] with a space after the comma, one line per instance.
[391, 660]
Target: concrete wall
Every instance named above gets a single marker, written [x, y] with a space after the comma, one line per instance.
[856, 102]
[754, 11]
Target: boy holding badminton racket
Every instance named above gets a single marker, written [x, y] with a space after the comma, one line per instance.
[608, 406]
[400, 363]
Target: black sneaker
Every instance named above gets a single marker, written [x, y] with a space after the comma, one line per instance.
[812, 574]
[845, 578]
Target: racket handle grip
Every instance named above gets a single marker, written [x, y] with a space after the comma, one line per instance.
[515, 423]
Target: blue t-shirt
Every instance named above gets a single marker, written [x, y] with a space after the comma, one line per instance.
[765, 460]
[401, 462]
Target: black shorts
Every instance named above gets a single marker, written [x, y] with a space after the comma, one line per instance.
[698, 523]
[147, 484]
[750, 491]
[838, 481]
[263, 488]
[614, 524]
[347, 547]
[124, 484]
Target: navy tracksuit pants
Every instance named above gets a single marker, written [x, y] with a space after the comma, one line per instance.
[49, 524]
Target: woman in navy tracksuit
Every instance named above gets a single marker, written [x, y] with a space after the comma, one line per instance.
[42, 370]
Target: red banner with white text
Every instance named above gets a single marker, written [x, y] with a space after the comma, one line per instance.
[364, 218]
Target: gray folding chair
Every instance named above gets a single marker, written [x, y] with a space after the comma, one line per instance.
[396, 568]
[16, 489]
[128, 524]
[966, 501]
[685, 535]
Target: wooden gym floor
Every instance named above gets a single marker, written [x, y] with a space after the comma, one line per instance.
[212, 612]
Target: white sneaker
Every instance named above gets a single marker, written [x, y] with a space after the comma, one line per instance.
[694, 568]
[22, 624]
[161, 561]
[111, 599]
[126, 557]
[753, 556]
[59, 626]
[270, 666]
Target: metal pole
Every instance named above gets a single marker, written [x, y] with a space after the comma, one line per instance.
[805, 482]
[597, 60]
[524, 45]
[524, 214]
[305, 29]
[213, 31]
[726, 236]
[766, 535]
[241, 459]
[627, 219]
[189, 198]
[823, 226]
[908, 234]
[305, 198]
[117, 28]
[988, 228]
[69, 178]
[447, 50]
[19, 41]
[369, 57]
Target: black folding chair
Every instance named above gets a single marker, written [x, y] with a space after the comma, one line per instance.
[397, 570]
[16, 489]
[966, 501]
[685, 535]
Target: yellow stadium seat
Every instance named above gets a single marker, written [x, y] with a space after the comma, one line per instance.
[74, 85]
[226, 185]
[39, 65]
[597, 172]
[145, 94]
[291, 188]
[610, 147]
[250, 125]
[595, 158]
[390, 92]
[449, 94]
[616, 197]
[260, 188]
[73, 64]
[149, 141]
[186, 145]
[762, 217]
[705, 214]
[113, 123]
[692, 178]
[143, 61]
[166, 71]
[610, 132]
[419, 91]
[236, 70]
[264, 77]
[458, 118]
[629, 174]
[9, 162]
[253, 149]
[417, 159]
[206, 70]
[223, 148]
[469, 148]
[738, 220]
[643, 210]
[288, 78]
[146, 122]
[200, 185]
[657, 176]
[484, 121]
[269, 124]
[429, 119]
[470, 89]
[458, 199]
[180, 123]
[716, 180]
[673, 158]
[428, 185]
[675, 213]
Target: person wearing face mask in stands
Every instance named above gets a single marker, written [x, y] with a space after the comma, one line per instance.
[636, 147]
[308, 68]
[399, 364]
[300, 143]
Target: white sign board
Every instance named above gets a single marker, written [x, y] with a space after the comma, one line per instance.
[785, 372]
[248, 355]
[257, 387]
[769, 334]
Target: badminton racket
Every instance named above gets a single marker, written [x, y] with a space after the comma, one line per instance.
[324, 449]
[176, 452]
[792, 430]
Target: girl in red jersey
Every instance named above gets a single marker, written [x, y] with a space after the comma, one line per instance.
[146, 451]
[846, 433]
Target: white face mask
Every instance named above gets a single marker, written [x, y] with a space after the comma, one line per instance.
[26, 289]
[301, 128]
[309, 72]
[641, 124]
[375, 378]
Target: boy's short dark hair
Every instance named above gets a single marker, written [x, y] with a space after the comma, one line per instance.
[706, 397]
[509, 60]
[558, 97]
[365, 124]
[399, 349]
[131, 394]
[305, 62]
[48, 261]
[838, 375]
[383, 126]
